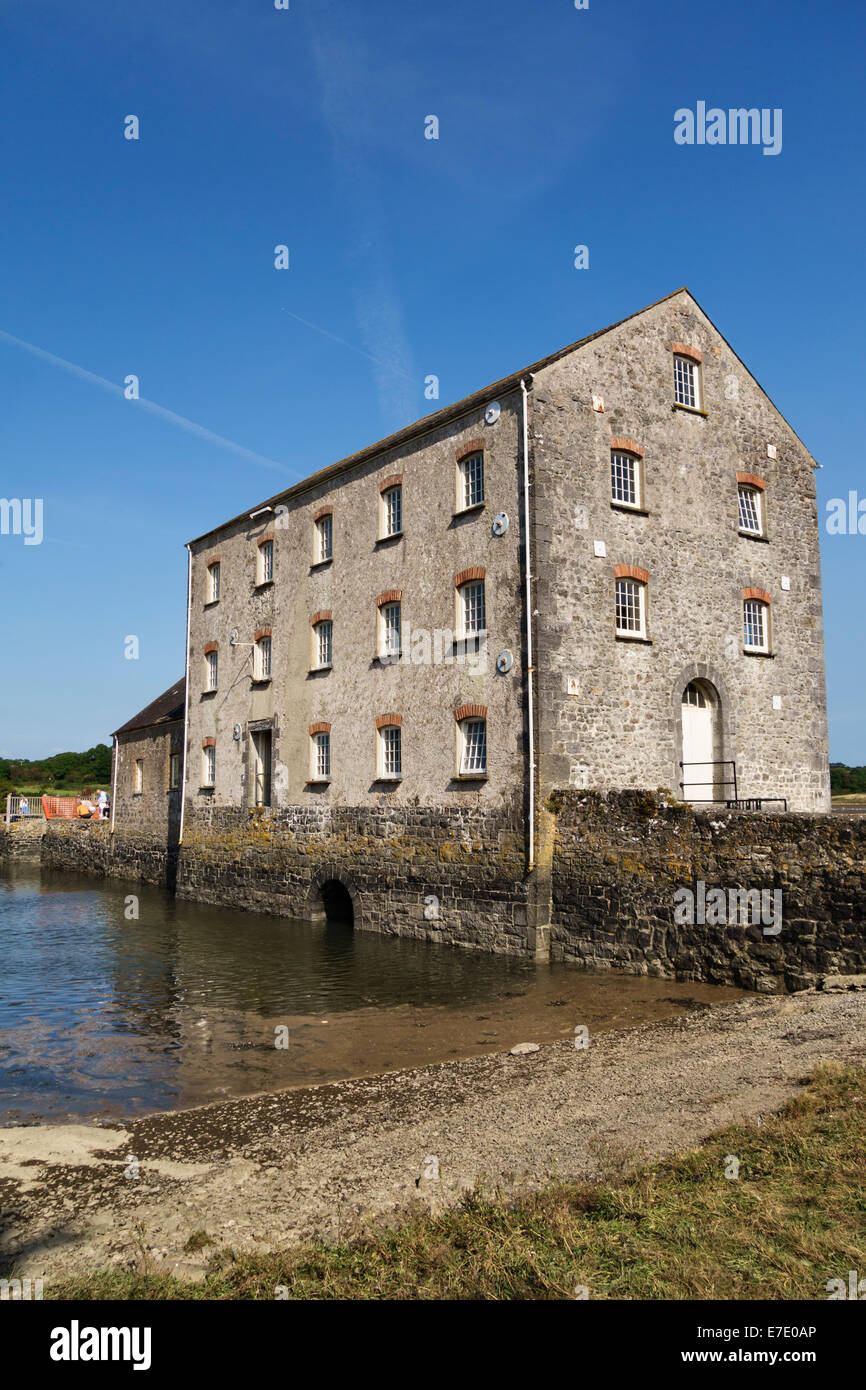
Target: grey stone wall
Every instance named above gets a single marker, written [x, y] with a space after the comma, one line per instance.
[620, 858]
[451, 877]
[622, 727]
[437, 544]
[21, 840]
[152, 814]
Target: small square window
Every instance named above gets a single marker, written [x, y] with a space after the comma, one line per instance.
[687, 390]
[471, 487]
[324, 539]
[473, 759]
[751, 511]
[265, 563]
[630, 608]
[213, 582]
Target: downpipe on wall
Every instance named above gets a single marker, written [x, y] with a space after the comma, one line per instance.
[186, 691]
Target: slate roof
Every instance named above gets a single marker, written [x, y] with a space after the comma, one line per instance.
[167, 708]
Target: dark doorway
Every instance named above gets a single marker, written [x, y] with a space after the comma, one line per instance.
[337, 902]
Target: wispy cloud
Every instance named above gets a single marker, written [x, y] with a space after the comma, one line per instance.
[345, 71]
[152, 408]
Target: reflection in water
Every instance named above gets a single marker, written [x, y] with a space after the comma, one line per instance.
[105, 1015]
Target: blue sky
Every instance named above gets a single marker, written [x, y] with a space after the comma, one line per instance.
[409, 256]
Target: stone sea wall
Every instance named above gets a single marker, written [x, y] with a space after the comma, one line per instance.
[622, 861]
[633, 877]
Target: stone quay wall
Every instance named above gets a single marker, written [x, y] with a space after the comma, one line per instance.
[621, 857]
[622, 865]
[451, 876]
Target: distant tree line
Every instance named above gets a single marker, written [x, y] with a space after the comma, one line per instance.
[847, 779]
[62, 770]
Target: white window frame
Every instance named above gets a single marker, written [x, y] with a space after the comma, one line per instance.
[390, 761]
[391, 519]
[640, 588]
[471, 482]
[325, 538]
[464, 607]
[263, 659]
[758, 497]
[174, 771]
[323, 645]
[208, 766]
[468, 762]
[138, 777]
[265, 562]
[213, 582]
[320, 757]
[211, 670]
[759, 606]
[693, 380]
[619, 458]
[390, 633]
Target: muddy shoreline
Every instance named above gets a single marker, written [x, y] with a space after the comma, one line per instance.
[268, 1170]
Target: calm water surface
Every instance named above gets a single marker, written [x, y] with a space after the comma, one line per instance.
[105, 1016]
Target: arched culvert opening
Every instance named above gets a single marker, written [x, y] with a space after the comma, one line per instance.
[337, 902]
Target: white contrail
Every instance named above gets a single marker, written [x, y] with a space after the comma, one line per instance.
[389, 366]
[151, 406]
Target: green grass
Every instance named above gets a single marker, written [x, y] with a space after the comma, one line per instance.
[795, 1218]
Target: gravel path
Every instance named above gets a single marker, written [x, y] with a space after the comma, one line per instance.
[269, 1170]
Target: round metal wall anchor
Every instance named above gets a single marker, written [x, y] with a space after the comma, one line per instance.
[504, 662]
[500, 524]
[492, 413]
[236, 733]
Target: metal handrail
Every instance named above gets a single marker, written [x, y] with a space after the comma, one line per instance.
[716, 782]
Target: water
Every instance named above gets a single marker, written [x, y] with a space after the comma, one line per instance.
[101, 1015]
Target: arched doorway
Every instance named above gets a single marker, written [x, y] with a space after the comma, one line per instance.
[337, 902]
[703, 775]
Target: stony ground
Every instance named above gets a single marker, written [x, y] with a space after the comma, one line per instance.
[269, 1170]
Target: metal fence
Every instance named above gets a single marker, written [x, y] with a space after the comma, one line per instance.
[32, 808]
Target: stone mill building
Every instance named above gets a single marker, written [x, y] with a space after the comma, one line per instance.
[599, 573]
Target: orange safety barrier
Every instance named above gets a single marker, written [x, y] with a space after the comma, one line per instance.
[60, 806]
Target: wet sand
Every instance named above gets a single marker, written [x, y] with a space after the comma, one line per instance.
[270, 1170]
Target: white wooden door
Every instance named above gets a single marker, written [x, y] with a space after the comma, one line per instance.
[699, 774]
